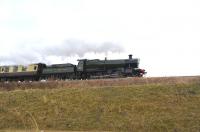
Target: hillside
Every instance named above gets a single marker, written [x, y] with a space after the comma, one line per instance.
[131, 104]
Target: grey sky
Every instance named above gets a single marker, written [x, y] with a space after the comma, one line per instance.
[163, 34]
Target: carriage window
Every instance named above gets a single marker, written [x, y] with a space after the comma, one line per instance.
[35, 67]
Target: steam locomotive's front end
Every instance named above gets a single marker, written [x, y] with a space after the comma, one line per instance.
[132, 66]
[137, 72]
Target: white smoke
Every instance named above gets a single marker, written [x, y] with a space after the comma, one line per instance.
[39, 51]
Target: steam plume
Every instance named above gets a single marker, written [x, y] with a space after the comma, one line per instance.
[27, 53]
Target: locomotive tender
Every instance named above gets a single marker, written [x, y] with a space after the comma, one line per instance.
[86, 69]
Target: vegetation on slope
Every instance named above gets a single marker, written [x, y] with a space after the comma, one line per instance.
[142, 107]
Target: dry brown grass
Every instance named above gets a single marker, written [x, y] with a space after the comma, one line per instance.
[99, 83]
[129, 104]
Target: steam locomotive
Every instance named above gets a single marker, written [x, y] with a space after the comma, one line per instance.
[86, 69]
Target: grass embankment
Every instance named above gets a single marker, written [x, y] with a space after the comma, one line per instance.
[152, 106]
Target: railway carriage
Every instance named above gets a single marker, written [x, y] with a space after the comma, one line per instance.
[20, 73]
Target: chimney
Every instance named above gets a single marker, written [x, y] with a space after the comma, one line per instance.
[130, 57]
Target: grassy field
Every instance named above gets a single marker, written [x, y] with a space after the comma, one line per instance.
[145, 104]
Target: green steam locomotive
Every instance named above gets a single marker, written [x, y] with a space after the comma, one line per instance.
[86, 69]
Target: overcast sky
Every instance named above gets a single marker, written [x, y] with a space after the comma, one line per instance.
[165, 35]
